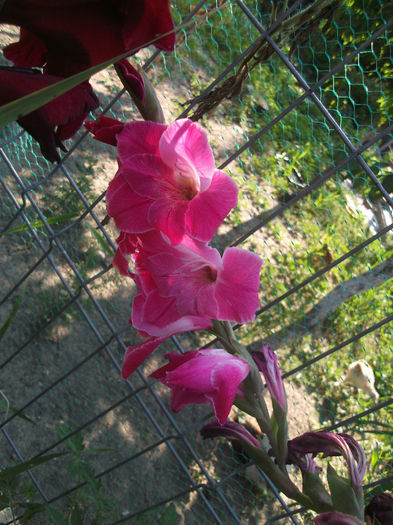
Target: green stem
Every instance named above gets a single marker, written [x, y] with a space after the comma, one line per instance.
[273, 15]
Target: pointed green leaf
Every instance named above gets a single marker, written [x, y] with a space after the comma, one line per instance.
[75, 442]
[56, 516]
[343, 496]
[170, 516]
[31, 510]
[39, 223]
[15, 410]
[76, 516]
[100, 450]
[100, 239]
[314, 488]
[12, 472]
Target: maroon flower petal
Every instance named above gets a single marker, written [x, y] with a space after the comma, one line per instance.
[131, 79]
[230, 430]
[28, 52]
[105, 129]
[78, 35]
[55, 121]
[381, 508]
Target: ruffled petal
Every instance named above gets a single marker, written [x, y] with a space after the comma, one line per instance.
[139, 136]
[135, 355]
[237, 285]
[128, 209]
[209, 208]
[225, 379]
[184, 145]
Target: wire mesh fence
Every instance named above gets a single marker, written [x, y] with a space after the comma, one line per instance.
[298, 111]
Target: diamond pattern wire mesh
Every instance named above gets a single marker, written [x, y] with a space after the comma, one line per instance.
[308, 139]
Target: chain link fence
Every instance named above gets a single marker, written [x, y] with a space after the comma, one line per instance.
[297, 99]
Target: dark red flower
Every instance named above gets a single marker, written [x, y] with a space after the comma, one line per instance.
[381, 508]
[68, 36]
[57, 120]
[105, 129]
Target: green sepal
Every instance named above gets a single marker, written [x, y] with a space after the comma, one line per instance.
[343, 496]
[315, 489]
[280, 426]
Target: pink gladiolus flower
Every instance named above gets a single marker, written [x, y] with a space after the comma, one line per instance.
[336, 518]
[68, 36]
[182, 287]
[203, 376]
[167, 181]
[266, 360]
[57, 120]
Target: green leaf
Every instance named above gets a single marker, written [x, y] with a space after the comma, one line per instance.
[343, 496]
[12, 472]
[12, 314]
[31, 510]
[100, 239]
[14, 410]
[99, 450]
[76, 516]
[5, 501]
[387, 183]
[39, 223]
[314, 488]
[75, 442]
[56, 516]
[170, 516]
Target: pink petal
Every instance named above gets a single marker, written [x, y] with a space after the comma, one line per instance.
[148, 176]
[121, 263]
[237, 285]
[184, 144]
[158, 316]
[138, 137]
[209, 208]
[181, 397]
[225, 379]
[198, 300]
[128, 209]
[175, 361]
[169, 217]
[135, 355]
